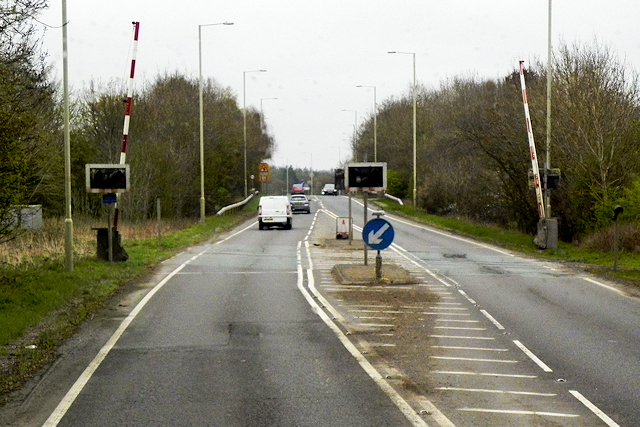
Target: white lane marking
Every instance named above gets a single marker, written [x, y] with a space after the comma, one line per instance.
[515, 412]
[451, 347]
[492, 319]
[593, 408]
[456, 337]
[473, 359]
[464, 294]
[484, 374]
[84, 378]
[404, 407]
[532, 356]
[611, 288]
[483, 390]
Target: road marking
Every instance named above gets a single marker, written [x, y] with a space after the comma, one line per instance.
[456, 328]
[84, 378]
[514, 412]
[593, 408]
[472, 359]
[492, 320]
[402, 404]
[484, 374]
[532, 356]
[481, 390]
[450, 347]
[457, 337]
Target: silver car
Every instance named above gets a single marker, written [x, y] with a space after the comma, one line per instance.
[300, 203]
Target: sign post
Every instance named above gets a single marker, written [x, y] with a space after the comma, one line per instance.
[378, 234]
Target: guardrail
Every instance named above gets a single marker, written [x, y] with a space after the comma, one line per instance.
[232, 208]
[394, 198]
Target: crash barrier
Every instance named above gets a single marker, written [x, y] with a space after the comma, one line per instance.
[394, 198]
[236, 206]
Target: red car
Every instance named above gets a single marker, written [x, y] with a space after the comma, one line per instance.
[297, 189]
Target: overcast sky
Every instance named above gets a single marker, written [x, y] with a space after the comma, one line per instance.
[317, 51]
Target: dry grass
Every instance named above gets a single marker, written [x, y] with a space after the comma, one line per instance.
[30, 247]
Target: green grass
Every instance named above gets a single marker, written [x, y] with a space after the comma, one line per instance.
[43, 304]
[597, 262]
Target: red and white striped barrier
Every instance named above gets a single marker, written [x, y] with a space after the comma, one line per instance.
[127, 111]
[532, 145]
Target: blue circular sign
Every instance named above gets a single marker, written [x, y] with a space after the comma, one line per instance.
[378, 234]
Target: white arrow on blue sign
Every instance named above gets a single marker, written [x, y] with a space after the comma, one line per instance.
[378, 233]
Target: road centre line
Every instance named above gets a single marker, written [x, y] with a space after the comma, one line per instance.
[532, 356]
[480, 390]
[593, 408]
[492, 319]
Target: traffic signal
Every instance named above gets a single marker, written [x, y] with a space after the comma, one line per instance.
[553, 177]
[339, 179]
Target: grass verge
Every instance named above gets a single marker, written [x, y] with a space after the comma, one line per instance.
[594, 261]
[41, 304]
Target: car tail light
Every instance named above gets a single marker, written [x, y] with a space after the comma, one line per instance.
[260, 210]
[288, 209]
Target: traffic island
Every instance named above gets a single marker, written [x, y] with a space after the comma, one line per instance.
[358, 274]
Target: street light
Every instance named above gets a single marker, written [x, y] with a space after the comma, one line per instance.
[375, 124]
[311, 186]
[244, 121]
[414, 123]
[202, 203]
[261, 114]
[355, 128]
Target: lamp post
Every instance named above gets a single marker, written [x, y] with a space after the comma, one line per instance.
[413, 89]
[375, 124]
[311, 186]
[355, 130]
[261, 113]
[244, 122]
[202, 201]
[68, 220]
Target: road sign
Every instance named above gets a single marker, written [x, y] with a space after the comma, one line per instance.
[378, 233]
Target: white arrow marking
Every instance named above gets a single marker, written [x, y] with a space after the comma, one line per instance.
[374, 236]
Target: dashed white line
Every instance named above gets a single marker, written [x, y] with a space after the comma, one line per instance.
[532, 356]
[593, 408]
[492, 320]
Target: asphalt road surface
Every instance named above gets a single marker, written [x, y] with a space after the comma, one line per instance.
[239, 333]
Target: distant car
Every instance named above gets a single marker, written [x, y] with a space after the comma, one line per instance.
[329, 190]
[300, 202]
[274, 211]
[297, 189]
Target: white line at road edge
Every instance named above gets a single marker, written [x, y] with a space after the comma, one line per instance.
[84, 378]
[404, 407]
[593, 408]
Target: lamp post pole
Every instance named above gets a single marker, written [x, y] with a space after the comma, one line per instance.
[244, 122]
[375, 124]
[68, 221]
[414, 91]
[202, 200]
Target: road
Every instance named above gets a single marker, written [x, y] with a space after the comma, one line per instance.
[582, 333]
[252, 330]
[230, 340]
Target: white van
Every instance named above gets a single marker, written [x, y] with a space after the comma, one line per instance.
[274, 211]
